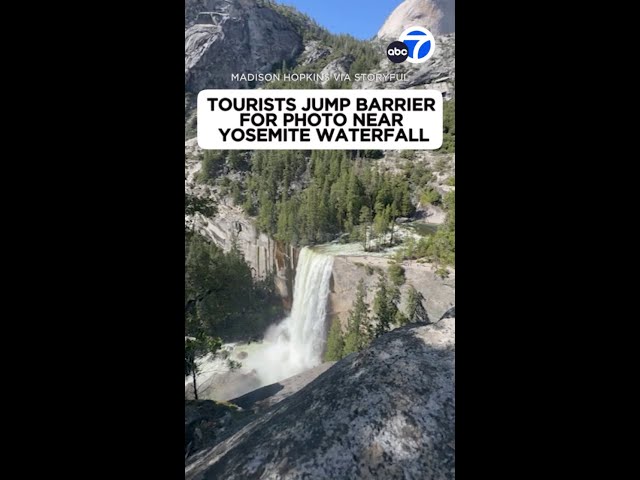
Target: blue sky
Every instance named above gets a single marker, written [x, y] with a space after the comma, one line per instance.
[360, 18]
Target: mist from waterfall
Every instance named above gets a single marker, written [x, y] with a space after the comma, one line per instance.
[296, 344]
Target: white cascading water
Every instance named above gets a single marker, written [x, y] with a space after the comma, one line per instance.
[296, 344]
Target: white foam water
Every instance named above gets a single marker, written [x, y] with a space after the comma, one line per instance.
[296, 344]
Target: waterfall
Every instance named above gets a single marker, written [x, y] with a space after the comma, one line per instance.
[296, 344]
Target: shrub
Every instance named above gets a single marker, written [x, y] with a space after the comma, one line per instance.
[430, 196]
[396, 274]
[408, 154]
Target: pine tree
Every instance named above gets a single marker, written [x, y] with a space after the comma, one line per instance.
[393, 214]
[236, 194]
[325, 215]
[385, 308]
[380, 222]
[211, 165]
[335, 342]
[365, 224]
[354, 195]
[331, 188]
[415, 310]
[358, 320]
[195, 348]
[266, 214]
[234, 159]
[312, 211]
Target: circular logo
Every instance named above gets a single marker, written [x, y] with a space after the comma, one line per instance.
[420, 44]
[397, 52]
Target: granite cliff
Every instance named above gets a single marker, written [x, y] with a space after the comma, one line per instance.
[237, 36]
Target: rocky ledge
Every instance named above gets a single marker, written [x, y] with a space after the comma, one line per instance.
[386, 412]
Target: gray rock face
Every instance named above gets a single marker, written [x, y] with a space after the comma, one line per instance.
[314, 51]
[264, 397]
[247, 38]
[203, 420]
[339, 66]
[193, 7]
[439, 294]
[263, 254]
[387, 412]
[438, 16]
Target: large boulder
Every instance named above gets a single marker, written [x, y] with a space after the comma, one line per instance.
[386, 412]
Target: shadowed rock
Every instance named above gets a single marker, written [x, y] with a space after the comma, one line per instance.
[386, 412]
[269, 395]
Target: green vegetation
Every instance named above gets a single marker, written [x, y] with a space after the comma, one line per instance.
[419, 174]
[401, 319]
[441, 165]
[194, 348]
[439, 248]
[236, 194]
[193, 204]
[373, 154]
[362, 55]
[430, 196]
[356, 338]
[305, 200]
[415, 310]
[396, 274]
[408, 154]
[449, 123]
[212, 165]
[442, 246]
[222, 300]
[362, 329]
[385, 308]
[335, 342]
[221, 297]
[371, 269]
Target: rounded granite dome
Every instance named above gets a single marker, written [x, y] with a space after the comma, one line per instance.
[436, 15]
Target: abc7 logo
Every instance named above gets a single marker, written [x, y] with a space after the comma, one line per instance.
[416, 45]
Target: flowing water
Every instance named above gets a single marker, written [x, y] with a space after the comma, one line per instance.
[296, 344]
[292, 346]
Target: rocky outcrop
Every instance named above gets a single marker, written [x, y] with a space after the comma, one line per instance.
[264, 397]
[439, 294]
[438, 16]
[205, 420]
[386, 412]
[263, 254]
[245, 38]
[314, 51]
[193, 7]
[336, 68]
